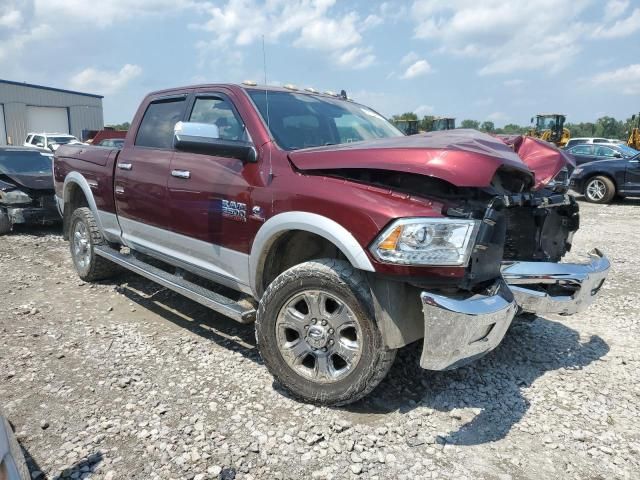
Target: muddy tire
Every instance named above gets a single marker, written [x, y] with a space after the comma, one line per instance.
[5, 223]
[317, 334]
[599, 189]
[84, 235]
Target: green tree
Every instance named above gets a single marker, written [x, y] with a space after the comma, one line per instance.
[405, 116]
[120, 126]
[470, 124]
[488, 126]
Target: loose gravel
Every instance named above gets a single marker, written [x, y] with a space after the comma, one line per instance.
[124, 379]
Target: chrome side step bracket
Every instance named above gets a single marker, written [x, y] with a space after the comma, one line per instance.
[219, 303]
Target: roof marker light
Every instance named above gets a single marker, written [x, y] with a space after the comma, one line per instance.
[311, 89]
[250, 83]
[290, 86]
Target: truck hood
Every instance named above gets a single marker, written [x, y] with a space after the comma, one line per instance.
[543, 158]
[464, 158]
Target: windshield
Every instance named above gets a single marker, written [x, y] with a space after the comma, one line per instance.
[549, 122]
[25, 163]
[297, 120]
[60, 140]
[627, 151]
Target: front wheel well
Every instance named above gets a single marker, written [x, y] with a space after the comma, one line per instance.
[292, 248]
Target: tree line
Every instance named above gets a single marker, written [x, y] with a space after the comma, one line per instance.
[607, 127]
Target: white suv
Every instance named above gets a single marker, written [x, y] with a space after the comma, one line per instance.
[49, 140]
[588, 140]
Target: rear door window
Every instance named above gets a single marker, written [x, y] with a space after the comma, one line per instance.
[156, 127]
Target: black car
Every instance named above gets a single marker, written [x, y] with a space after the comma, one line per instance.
[26, 188]
[602, 180]
[586, 152]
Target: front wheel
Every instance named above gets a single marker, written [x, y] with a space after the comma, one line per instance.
[599, 189]
[317, 334]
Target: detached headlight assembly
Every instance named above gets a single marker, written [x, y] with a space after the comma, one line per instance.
[14, 197]
[426, 241]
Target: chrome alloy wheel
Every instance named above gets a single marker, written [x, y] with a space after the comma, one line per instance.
[596, 190]
[319, 336]
[81, 245]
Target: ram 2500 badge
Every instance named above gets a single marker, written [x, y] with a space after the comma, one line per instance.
[343, 239]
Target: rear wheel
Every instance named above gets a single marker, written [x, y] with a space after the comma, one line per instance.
[599, 189]
[317, 334]
[84, 236]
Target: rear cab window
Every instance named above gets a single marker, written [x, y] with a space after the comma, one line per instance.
[158, 122]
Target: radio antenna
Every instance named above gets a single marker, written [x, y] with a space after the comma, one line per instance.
[266, 101]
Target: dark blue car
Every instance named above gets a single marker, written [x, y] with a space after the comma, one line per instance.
[591, 152]
[602, 180]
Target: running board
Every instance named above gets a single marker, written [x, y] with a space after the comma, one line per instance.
[215, 301]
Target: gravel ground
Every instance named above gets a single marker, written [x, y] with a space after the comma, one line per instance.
[123, 379]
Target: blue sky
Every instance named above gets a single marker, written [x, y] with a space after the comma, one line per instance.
[482, 59]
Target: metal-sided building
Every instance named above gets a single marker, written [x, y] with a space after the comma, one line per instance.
[28, 108]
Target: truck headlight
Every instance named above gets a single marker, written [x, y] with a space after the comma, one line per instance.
[14, 196]
[426, 241]
[561, 181]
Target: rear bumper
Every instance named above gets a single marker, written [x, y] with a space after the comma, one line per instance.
[560, 288]
[457, 331]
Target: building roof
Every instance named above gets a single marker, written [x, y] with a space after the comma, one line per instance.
[42, 87]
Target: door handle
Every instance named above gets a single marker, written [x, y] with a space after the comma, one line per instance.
[125, 166]
[181, 173]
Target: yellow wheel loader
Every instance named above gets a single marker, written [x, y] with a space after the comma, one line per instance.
[550, 128]
[634, 135]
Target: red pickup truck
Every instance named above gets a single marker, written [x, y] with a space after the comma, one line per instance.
[342, 239]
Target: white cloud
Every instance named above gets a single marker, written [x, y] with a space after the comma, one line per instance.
[308, 24]
[409, 58]
[356, 58]
[423, 110]
[621, 28]
[416, 69]
[329, 34]
[615, 8]
[625, 79]
[508, 36]
[11, 19]
[104, 81]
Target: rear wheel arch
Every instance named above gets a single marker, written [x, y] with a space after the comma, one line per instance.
[77, 194]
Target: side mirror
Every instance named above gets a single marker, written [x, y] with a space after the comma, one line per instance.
[617, 155]
[205, 138]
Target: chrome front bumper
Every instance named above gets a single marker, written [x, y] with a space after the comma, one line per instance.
[560, 288]
[457, 331]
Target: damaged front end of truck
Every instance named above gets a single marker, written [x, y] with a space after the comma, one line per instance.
[515, 193]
